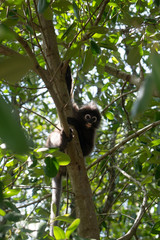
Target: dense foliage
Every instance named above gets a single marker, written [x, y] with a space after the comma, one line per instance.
[102, 40]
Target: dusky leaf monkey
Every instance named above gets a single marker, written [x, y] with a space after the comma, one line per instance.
[86, 119]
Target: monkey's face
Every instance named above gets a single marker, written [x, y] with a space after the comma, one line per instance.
[89, 116]
[90, 121]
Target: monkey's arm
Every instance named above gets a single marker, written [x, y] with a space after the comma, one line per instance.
[73, 121]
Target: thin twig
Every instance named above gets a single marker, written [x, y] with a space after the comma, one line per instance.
[42, 117]
[114, 100]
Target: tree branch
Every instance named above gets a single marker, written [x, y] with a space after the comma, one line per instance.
[7, 51]
[37, 201]
[102, 8]
[127, 139]
[128, 77]
[141, 212]
[124, 76]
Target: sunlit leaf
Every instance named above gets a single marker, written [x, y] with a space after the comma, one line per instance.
[62, 158]
[11, 193]
[14, 2]
[2, 213]
[155, 142]
[110, 115]
[59, 233]
[72, 227]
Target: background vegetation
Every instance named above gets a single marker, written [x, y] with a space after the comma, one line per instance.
[113, 50]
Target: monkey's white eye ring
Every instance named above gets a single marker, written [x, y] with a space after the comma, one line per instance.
[87, 116]
[94, 118]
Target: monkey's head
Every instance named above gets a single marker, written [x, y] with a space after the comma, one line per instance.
[90, 116]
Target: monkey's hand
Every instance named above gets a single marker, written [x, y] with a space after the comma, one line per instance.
[65, 140]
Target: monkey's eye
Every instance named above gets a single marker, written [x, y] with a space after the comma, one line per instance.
[94, 118]
[87, 116]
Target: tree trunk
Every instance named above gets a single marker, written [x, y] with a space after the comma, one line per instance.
[77, 172]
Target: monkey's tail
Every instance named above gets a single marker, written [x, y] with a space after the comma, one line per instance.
[55, 202]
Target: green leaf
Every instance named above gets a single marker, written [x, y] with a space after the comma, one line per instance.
[95, 48]
[155, 142]
[1, 193]
[73, 51]
[88, 61]
[63, 159]
[143, 98]
[6, 34]
[2, 213]
[42, 5]
[130, 149]
[11, 132]
[148, 179]
[69, 29]
[15, 217]
[59, 233]
[42, 212]
[66, 219]
[110, 115]
[134, 55]
[61, 6]
[108, 45]
[72, 227]
[14, 68]
[156, 70]
[76, 11]
[156, 228]
[11, 193]
[98, 29]
[15, 2]
[54, 208]
[51, 168]
[41, 230]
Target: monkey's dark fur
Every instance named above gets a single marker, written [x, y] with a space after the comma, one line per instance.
[85, 120]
